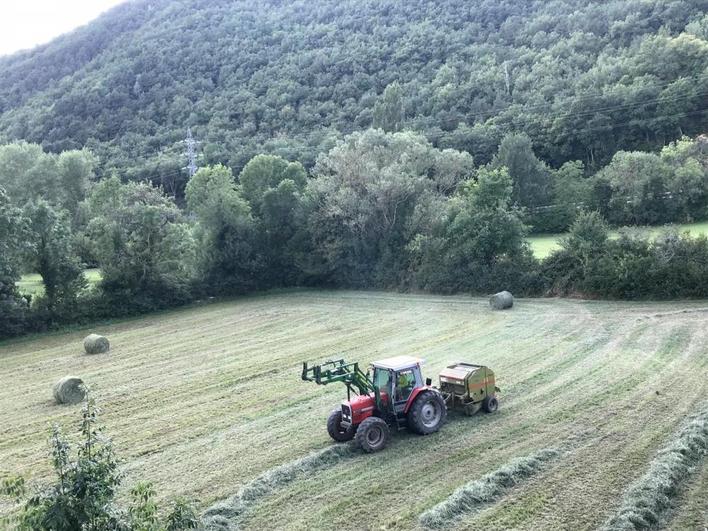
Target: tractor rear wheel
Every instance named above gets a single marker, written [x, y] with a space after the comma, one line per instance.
[428, 413]
[335, 429]
[373, 434]
[490, 404]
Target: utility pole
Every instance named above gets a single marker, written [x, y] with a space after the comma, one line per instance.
[191, 153]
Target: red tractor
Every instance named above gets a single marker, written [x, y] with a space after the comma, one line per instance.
[396, 396]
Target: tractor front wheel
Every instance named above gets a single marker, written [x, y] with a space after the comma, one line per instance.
[335, 429]
[428, 413]
[490, 404]
[373, 434]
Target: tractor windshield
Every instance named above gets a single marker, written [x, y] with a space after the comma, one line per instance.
[405, 384]
[382, 379]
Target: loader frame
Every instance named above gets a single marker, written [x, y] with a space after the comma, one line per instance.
[350, 374]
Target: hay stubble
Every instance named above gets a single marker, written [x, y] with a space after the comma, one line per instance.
[202, 401]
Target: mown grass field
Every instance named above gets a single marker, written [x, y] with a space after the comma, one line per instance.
[202, 400]
[544, 244]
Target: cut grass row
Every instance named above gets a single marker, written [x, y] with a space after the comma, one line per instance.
[544, 244]
[473, 496]
[646, 502]
[204, 401]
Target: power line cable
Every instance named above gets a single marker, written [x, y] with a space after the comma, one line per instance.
[497, 111]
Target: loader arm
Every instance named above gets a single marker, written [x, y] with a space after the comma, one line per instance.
[349, 374]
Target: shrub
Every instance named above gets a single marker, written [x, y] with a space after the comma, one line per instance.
[83, 493]
[630, 267]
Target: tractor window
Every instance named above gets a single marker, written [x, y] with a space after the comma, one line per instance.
[405, 383]
[382, 379]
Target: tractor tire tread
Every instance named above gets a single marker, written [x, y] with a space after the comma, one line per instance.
[334, 428]
[362, 432]
[415, 422]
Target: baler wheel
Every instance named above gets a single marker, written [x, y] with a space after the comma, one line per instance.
[373, 434]
[335, 429]
[428, 413]
[490, 404]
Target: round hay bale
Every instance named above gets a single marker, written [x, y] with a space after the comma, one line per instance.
[501, 301]
[95, 344]
[69, 390]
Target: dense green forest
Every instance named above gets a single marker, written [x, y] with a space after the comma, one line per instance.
[582, 79]
[391, 145]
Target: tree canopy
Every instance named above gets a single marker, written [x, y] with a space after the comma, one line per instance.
[582, 79]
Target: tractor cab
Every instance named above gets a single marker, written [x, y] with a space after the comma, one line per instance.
[397, 377]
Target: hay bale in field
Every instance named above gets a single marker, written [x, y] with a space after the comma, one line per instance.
[501, 301]
[69, 390]
[95, 344]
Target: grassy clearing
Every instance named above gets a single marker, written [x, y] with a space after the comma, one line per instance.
[646, 501]
[203, 401]
[544, 244]
[32, 284]
[476, 494]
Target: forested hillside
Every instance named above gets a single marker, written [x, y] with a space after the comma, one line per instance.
[582, 79]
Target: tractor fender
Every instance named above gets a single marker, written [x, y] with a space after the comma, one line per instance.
[415, 394]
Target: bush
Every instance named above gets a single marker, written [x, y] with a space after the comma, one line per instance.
[83, 494]
[143, 245]
[630, 267]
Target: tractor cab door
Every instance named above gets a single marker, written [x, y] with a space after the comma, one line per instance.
[406, 380]
[383, 381]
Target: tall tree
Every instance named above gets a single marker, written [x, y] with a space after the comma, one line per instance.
[371, 194]
[530, 176]
[53, 255]
[143, 245]
[227, 254]
[389, 109]
[29, 173]
[75, 171]
[638, 189]
[479, 245]
[13, 243]
[571, 194]
[266, 172]
[273, 188]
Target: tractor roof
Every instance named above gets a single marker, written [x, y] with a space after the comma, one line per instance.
[398, 362]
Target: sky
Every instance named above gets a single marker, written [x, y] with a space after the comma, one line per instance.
[27, 23]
